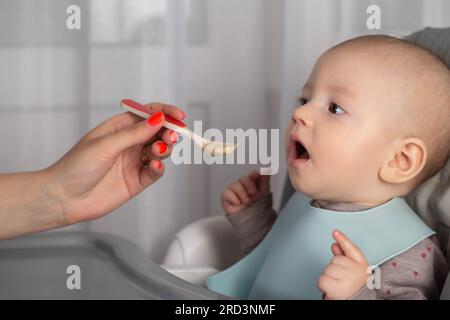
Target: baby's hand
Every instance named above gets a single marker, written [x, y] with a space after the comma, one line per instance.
[244, 192]
[347, 271]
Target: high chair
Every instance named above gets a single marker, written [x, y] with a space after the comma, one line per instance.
[209, 245]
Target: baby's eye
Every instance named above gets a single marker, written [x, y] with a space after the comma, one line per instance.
[302, 101]
[334, 108]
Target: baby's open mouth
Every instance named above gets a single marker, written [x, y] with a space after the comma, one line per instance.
[297, 151]
[300, 151]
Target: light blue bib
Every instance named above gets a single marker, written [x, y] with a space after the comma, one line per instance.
[292, 256]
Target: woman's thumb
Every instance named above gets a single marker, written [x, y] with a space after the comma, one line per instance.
[138, 133]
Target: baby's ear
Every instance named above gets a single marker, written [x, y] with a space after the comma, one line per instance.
[405, 162]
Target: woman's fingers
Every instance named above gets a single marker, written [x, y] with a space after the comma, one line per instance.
[126, 119]
[158, 150]
[111, 125]
[148, 175]
[113, 144]
[169, 136]
[171, 110]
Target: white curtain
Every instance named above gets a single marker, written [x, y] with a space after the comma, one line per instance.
[230, 63]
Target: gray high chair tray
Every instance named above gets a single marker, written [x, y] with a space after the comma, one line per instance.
[34, 267]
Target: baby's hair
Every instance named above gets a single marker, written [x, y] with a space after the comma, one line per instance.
[430, 76]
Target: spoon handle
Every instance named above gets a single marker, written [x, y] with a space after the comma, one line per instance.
[169, 123]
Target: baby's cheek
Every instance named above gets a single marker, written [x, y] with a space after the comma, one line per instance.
[358, 166]
[340, 163]
[336, 155]
[287, 138]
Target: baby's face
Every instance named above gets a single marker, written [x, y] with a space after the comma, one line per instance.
[346, 121]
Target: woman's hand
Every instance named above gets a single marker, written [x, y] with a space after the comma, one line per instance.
[104, 169]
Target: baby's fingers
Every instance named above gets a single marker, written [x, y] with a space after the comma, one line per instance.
[254, 175]
[327, 284]
[334, 271]
[337, 250]
[261, 181]
[348, 247]
[229, 196]
[249, 185]
[240, 191]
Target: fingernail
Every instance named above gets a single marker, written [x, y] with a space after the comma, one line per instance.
[183, 115]
[159, 164]
[174, 137]
[162, 147]
[156, 118]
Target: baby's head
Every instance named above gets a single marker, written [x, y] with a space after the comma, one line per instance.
[374, 119]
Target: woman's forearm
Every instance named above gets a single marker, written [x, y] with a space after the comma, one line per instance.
[28, 204]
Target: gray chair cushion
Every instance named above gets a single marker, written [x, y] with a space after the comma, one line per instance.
[437, 40]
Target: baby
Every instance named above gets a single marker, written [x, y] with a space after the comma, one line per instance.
[371, 125]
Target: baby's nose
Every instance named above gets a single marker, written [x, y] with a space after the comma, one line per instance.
[302, 116]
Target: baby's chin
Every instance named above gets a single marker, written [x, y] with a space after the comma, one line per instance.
[299, 184]
[312, 188]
